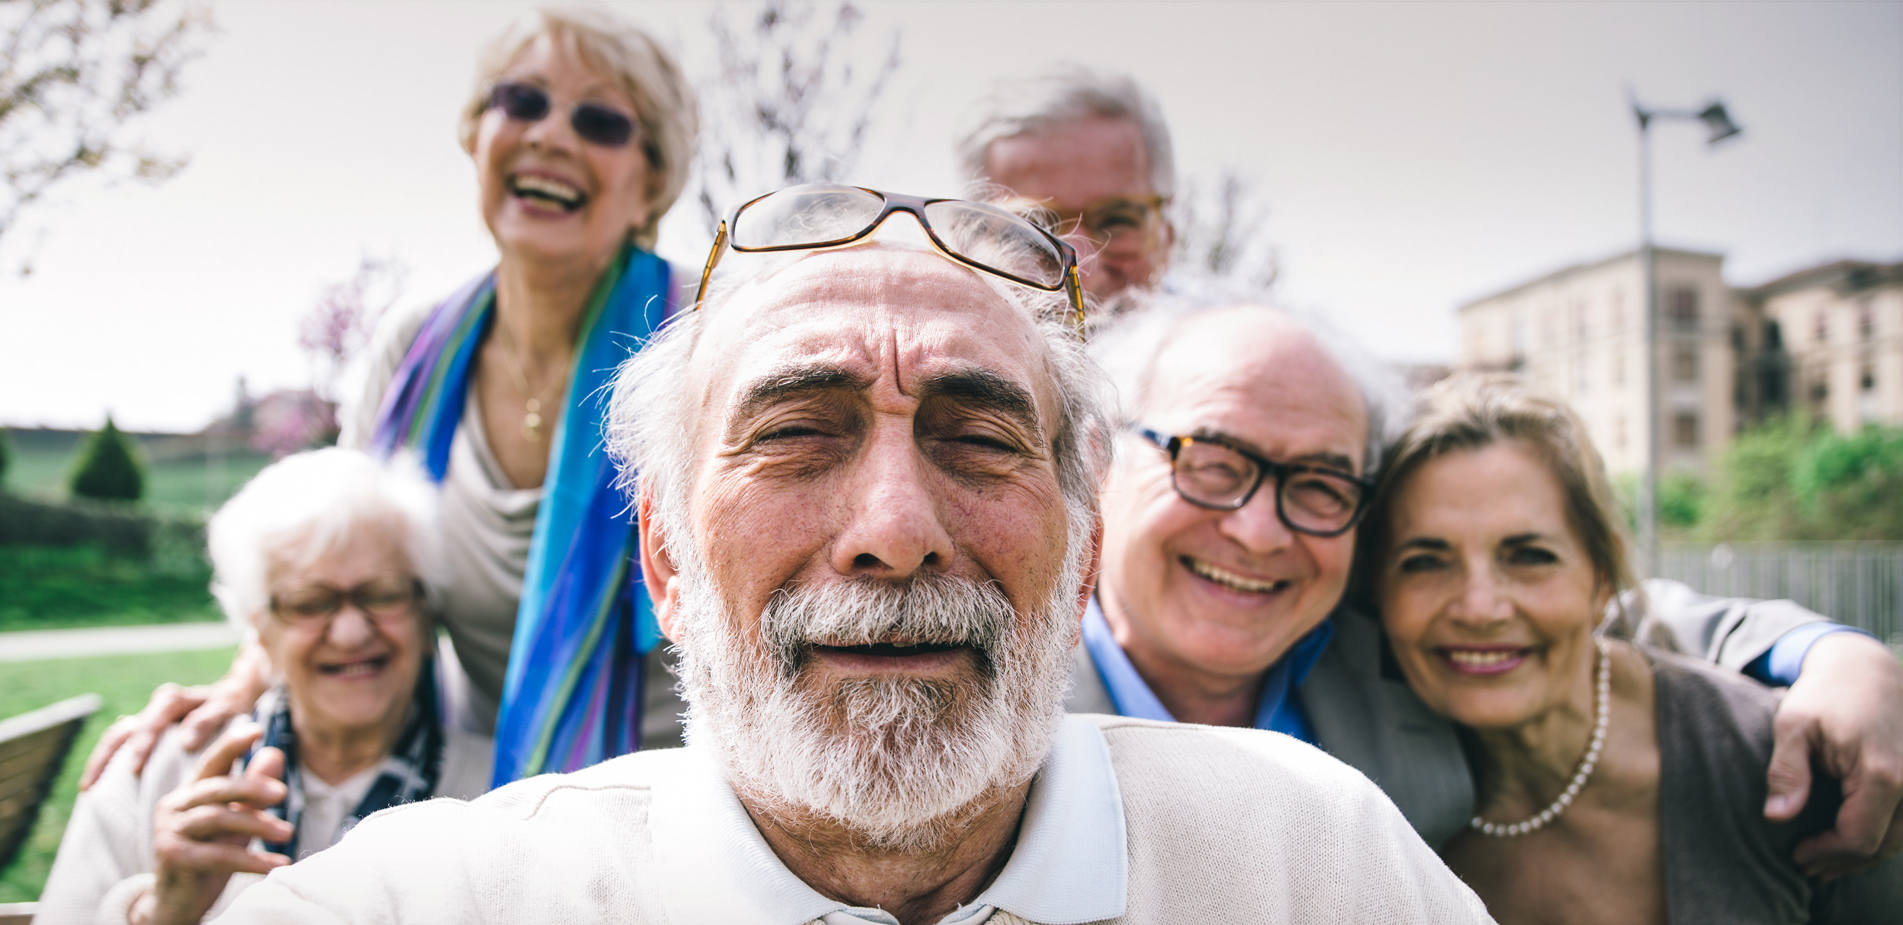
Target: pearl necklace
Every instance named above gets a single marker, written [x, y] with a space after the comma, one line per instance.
[1603, 713]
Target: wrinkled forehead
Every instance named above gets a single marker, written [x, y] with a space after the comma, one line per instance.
[879, 309]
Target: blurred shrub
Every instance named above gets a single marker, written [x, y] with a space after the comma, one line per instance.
[107, 470]
[1789, 480]
[6, 455]
[126, 534]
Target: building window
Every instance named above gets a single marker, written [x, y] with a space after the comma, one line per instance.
[1617, 314]
[1685, 365]
[1866, 319]
[1773, 336]
[1582, 317]
[1820, 326]
[1685, 430]
[1869, 378]
[1681, 307]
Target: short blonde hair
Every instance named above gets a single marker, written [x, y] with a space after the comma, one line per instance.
[1471, 411]
[664, 103]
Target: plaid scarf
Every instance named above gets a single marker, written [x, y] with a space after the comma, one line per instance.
[409, 773]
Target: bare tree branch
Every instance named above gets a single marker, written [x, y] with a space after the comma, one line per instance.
[72, 74]
[788, 102]
[1221, 232]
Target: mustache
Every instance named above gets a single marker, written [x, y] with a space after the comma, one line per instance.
[928, 609]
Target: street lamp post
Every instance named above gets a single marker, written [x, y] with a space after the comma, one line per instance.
[1721, 127]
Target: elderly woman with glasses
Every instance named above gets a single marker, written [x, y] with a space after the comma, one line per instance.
[327, 560]
[1615, 781]
[580, 129]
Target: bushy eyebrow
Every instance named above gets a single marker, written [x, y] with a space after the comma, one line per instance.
[985, 389]
[793, 380]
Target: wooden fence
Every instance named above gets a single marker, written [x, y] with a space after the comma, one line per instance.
[1856, 583]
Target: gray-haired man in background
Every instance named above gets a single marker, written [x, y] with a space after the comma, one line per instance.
[1091, 148]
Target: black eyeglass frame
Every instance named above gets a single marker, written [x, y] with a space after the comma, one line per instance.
[1264, 468]
[352, 596]
[1072, 285]
[492, 100]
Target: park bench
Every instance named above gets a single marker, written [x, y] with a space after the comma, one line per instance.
[33, 748]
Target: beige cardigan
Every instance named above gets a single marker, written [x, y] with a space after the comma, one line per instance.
[1223, 825]
[106, 859]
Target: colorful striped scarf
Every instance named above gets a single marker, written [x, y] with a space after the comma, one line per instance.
[572, 694]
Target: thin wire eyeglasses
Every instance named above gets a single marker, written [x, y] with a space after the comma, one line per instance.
[1124, 222]
[1210, 473]
[816, 216]
[385, 598]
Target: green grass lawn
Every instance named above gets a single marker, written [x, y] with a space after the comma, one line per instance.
[60, 588]
[124, 682]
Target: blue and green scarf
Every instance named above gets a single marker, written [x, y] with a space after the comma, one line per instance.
[572, 695]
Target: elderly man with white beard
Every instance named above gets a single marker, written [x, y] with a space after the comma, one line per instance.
[866, 497]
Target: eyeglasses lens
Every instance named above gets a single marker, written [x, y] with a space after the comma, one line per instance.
[592, 121]
[519, 101]
[601, 125]
[806, 216]
[998, 240]
[1120, 221]
[382, 597]
[1216, 476]
[1213, 474]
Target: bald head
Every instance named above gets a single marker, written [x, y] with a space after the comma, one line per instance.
[1260, 355]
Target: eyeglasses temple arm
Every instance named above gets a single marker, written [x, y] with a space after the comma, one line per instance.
[713, 258]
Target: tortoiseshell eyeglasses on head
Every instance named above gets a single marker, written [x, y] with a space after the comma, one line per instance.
[986, 238]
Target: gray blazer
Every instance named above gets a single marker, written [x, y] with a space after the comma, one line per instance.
[1369, 718]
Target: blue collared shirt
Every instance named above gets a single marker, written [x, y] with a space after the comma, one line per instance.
[1279, 710]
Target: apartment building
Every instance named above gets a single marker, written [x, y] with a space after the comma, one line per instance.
[1841, 325]
[1829, 339]
[1580, 333]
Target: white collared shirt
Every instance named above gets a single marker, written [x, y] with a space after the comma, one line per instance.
[1069, 864]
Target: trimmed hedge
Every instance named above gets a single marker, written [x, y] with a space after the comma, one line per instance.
[108, 469]
[122, 532]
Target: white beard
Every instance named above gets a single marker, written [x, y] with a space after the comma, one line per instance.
[893, 760]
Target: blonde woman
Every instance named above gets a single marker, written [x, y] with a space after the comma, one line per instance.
[580, 129]
[1615, 781]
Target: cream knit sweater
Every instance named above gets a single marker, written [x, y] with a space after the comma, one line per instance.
[1223, 825]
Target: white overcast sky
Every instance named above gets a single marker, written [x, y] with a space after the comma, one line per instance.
[1414, 154]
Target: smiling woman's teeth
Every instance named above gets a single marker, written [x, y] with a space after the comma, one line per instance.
[1232, 580]
[546, 188]
[1479, 658]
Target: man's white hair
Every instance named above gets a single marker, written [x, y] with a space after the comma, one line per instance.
[311, 505]
[1128, 346]
[1029, 104]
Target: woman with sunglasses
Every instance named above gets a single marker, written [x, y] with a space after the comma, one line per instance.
[581, 130]
[1615, 781]
[326, 560]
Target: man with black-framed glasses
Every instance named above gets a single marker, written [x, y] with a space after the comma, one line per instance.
[1225, 596]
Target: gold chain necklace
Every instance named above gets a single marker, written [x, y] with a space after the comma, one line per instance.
[532, 419]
